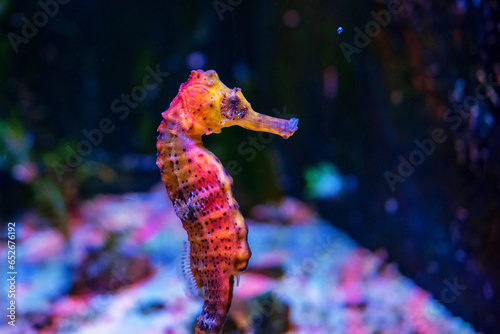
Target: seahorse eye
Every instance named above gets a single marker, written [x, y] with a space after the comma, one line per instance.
[232, 108]
[234, 102]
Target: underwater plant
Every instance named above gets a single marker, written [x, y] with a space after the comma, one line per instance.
[201, 189]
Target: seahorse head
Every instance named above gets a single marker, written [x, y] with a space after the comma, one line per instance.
[205, 105]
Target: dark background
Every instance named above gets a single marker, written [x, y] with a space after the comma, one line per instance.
[360, 115]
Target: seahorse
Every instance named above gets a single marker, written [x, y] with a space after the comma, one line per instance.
[201, 189]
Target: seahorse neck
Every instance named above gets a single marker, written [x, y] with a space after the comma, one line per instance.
[187, 130]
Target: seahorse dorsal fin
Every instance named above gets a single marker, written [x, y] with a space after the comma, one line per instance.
[186, 272]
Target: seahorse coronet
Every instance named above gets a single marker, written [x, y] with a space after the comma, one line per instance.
[201, 189]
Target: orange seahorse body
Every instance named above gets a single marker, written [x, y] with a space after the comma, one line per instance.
[201, 189]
